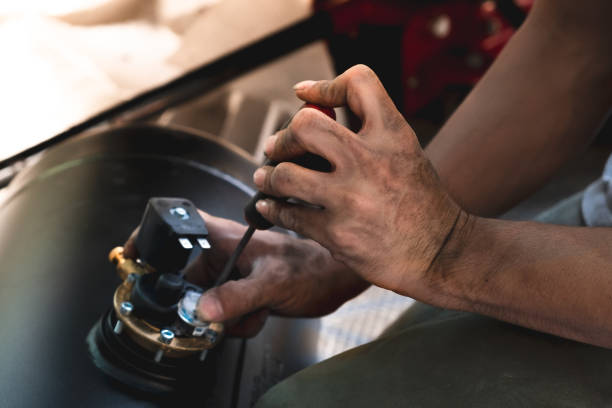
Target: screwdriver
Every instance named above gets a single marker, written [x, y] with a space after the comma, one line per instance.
[255, 220]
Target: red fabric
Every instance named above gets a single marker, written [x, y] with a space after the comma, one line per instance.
[432, 61]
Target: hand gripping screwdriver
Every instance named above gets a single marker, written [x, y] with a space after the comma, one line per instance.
[253, 217]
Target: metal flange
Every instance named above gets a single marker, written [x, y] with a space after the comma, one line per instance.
[147, 335]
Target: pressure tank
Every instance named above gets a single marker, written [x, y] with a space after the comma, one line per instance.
[59, 220]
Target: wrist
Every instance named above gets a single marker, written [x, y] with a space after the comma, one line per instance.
[447, 279]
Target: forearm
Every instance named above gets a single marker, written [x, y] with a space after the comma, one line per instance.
[539, 104]
[550, 278]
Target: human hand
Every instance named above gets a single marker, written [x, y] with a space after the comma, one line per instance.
[283, 275]
[381, 210]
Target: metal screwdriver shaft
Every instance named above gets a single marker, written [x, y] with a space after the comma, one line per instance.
[253, 217]
[227, 269]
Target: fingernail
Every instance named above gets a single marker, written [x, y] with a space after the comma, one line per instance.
[269, 145]
[262, 206]
[300, 86]
[209, 309]
[259, 177]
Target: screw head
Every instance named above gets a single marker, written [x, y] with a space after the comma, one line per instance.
[166, 336]
[211, 336]
[126, 308]
[180, 212]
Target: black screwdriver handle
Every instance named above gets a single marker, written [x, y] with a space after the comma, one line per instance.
[308, 160]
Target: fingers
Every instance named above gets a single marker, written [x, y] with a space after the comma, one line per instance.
[358, 87]
[290, 180]
[203, 271]
[234, 299]
[306, 221]
[223, 234]
[243, 300]
[309, 131]
[245, 304]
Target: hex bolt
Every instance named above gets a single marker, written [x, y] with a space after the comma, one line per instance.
[125, 310]
[210, 335]
[180, 212]
[166, 336]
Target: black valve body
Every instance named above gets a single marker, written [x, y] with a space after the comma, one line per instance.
[165, 223]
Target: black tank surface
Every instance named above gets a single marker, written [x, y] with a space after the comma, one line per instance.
[58, 222]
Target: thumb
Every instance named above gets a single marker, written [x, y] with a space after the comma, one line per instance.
[235, 299]
[358, 88]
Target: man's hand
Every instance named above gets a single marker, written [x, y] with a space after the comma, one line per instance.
[381, 211]
[282, 275]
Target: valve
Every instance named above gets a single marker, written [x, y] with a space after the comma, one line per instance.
[152, 324]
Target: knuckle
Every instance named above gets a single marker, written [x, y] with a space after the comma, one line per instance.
[288, 219]
[353, 203]
[361, 72]
[269, 186]
[330, 90]
[310, 116]
[338, 237]
[301, 121]
[344, 244]
[284, 142]
[280, 177]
